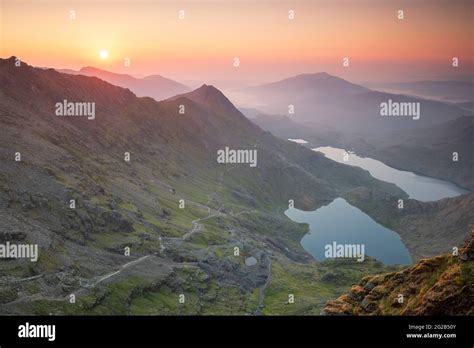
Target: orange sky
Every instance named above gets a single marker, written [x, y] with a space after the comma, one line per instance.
[203, 45]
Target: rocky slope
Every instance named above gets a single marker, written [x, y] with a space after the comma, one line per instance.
[441, 285]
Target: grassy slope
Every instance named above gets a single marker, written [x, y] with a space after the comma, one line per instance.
[437, 286]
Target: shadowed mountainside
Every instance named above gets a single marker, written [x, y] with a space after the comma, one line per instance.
[430, 151]
[427, 151]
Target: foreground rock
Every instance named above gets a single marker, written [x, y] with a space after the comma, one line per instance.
[438, 286]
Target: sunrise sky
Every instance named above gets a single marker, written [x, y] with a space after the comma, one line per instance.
[203, 45]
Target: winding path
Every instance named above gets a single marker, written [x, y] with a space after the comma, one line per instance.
[261, 292]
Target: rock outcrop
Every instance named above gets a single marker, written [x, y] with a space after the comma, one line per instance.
[442, 285]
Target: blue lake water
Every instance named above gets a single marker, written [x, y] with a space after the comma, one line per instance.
[416, 186]
[342, 223]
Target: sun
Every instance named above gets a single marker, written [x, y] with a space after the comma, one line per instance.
[103, 54]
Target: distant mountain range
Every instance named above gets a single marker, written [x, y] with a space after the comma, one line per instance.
[155, 86]
[332, 101]
[447, 91]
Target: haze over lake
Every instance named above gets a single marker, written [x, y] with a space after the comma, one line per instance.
[416, 186]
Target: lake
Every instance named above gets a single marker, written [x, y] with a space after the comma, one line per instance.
[416, 186]
[342, 223]
[298, 141]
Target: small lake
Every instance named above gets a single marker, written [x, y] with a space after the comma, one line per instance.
[342, 223]
[416, 186]
[298, 141]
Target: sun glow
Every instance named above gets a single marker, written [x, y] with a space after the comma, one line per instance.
[103, 54]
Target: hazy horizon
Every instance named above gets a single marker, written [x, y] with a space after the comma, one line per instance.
[269, 45]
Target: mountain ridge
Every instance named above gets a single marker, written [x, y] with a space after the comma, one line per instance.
[307, 80]
[340, 104]
[154, 86]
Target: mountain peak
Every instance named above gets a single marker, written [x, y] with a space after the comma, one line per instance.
[320, 81]
[11, 61]
[154, 77]
[319, 77]
[90, 68]
[208, 89]
[212, 99]
[208, 95]
[314, 75]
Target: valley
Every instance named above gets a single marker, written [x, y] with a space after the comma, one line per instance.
[128, 247]
[169, 231]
